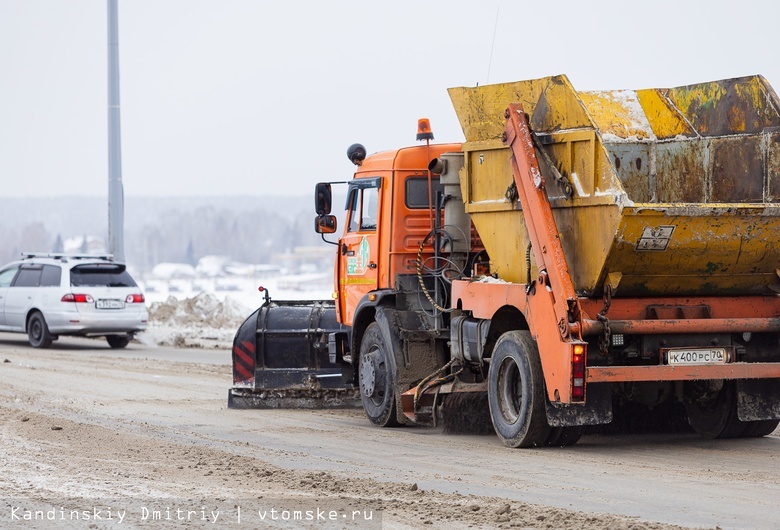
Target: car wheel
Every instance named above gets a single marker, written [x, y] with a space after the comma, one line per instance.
[516, 392]
[118, 342]
[38, 332]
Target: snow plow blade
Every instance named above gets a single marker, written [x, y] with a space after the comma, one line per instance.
[281, 358]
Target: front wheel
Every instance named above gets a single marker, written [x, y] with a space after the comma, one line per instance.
[377, 378]
[516, 391]
[38, 332]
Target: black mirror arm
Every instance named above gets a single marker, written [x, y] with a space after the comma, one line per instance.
[328, 242]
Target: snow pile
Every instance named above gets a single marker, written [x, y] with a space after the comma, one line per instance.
[202, 321]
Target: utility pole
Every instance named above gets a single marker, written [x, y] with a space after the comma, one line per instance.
[116, 198]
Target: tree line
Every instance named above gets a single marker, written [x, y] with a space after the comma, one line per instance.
[179, 229]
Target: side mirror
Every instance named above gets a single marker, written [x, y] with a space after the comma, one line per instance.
[325, 224]
[323, 198]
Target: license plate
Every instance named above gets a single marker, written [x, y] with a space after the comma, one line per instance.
[697, 356]
[110, 304]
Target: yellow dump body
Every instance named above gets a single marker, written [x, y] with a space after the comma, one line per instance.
[675, 191]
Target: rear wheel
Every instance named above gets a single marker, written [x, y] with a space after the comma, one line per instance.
[38, 332]
[713, 413]
[516, 391]
[562, 436]
[118, 342]
[377, 378]
[759, 428]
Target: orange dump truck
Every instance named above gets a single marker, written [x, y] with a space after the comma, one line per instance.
[581, 254]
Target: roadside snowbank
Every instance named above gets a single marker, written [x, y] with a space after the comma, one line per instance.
[202, 321]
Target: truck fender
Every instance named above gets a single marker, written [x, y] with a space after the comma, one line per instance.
[365, 314]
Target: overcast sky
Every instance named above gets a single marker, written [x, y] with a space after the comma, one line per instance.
[250, 97]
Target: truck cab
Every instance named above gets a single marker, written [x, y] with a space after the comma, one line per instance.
[389, 212]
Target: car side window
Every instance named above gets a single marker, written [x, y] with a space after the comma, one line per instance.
[7, 276]
[29, 277]
[51, 276]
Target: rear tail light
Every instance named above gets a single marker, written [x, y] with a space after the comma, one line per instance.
[578, 372]
[135, 299]
[77, 298]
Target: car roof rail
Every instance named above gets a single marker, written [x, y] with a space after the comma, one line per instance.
[62, 256]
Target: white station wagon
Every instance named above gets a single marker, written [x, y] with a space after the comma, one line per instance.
[47, 295]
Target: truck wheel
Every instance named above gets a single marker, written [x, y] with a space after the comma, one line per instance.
[759, 428]
[377, 378]
[516, 391]
[563, 436]
[38, 332]
[714, 415]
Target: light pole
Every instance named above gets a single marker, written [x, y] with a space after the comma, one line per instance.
[116, 199]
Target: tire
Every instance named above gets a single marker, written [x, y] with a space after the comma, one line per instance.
[715, 415]
[516, 392]
[759, 428]
[38, 332]
[563, 436]
[377, 378]
[117, 342]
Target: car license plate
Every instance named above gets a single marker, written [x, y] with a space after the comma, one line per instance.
[110, 304]
[697, 356]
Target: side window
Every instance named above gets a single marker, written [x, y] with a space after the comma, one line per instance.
[369, 208]
[51, 276]
[354, 215]
[7, 276]
[29, 277]
[417, 191]
[363, 204]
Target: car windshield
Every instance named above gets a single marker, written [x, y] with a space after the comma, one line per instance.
[105, 275]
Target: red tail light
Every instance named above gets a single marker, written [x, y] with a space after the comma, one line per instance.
[578, 372]
[77, 298]
[135, 299]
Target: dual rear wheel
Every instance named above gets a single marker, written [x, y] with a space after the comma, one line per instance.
[712, 412]
[518, 398]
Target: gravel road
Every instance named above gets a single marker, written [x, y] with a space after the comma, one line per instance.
[142, 438]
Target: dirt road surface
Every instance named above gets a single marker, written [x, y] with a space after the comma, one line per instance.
[142, 438]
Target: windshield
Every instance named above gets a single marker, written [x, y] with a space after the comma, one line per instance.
[99, 274]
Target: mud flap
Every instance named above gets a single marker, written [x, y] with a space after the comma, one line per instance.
[596, 410]
[413, 348]
[758, 399]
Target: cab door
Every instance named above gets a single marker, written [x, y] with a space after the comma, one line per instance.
[359, 246]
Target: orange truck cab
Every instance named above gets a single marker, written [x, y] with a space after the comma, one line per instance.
[384, 255]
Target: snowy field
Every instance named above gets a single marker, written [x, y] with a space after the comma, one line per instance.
[206, 313]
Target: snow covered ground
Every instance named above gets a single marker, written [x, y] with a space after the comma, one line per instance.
[205, 313]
